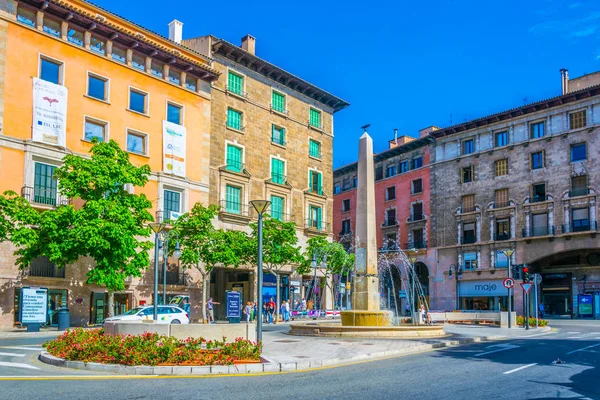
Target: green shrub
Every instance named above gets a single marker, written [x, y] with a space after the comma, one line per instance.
[521, 321]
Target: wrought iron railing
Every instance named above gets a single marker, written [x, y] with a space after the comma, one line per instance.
[232, 207]
[44, 196]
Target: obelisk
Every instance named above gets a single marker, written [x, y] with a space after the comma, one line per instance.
[365, 297]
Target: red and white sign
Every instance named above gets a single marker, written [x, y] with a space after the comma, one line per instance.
[508, 283]
[527, 287]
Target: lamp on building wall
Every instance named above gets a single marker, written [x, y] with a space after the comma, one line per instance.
[157, 228]
[508, 253]
[261, 206]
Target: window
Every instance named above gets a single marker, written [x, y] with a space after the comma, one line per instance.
[417, 162]
[501, 167]
[390, 171]
[43, 267]
[233, 197]
[390, 193]
[138, 61]
[539, 225]
[391, 241]
[345, 205]
[378, 173]
[501, 138]
[97, 87]
[467, 174]
[417, 212]
[315, 215]
[138, 101]
[501, 259]
[51, 26]
[98, 45]
[577, 119]
[234, 119]
[95, 129]
[136, 142]
[578, 152]
[469, 235]
[75, 36]
[119, 54]
[345, 227]
[502, 229]
[468, 146]
[278, 101]
[277, 207]
[337, 189]
[354, 181]
[190, 83]
[501, 196]
[26, 16]
[314, 148]
[404, 166]
[579, 186]
[538, 192]
[315, 118]
[537, 130]
[234, 158]
[390, 217]
[417, 186]
[278, 135]
[44, 185]
[470, 261]
[172, 202]
[346, 184]
[277, 171]
[51, 71]
[581, 219]
[235, 83]
[537, 160]
[468, 203]
[418, 239]
[156, 68]
[315, 182]
[174, 113]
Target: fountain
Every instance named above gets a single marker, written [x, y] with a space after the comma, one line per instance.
[367, 319]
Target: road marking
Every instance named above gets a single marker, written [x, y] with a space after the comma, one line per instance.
[504, 347]
[574, 337]
[36, 348]
[537, 334]
[16, 365]
[585, 348]
[12, 354]
[572, 333]
[518, 369]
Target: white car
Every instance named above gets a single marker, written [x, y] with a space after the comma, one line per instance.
[166, 315]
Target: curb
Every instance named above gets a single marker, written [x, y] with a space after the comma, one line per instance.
[241, 369]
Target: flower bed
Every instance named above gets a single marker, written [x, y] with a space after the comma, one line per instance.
[92, 345]
[521, 321]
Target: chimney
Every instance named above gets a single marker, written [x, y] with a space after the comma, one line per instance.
[176, 31]
[564, 78]
[249, 44]
[396, 135]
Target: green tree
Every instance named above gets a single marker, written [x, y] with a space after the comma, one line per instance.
[110, 227]
[204, 247]
[280, 249]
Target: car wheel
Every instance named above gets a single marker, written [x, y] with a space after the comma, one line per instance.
[176, 321]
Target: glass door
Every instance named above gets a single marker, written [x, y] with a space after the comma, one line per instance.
[56, 298]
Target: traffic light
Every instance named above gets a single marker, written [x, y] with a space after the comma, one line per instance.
[517, 271]
[525, 273]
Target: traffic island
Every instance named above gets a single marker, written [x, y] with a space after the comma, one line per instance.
[381, 332]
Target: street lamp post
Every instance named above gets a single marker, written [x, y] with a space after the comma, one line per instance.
[508, 253]
[412, 259]
[457, 269]
[165, 256]
[260, 206]
[157, 228]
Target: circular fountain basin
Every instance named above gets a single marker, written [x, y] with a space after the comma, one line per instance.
[332, 329]
[366, 318]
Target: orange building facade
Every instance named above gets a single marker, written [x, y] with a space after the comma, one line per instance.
[114, 80]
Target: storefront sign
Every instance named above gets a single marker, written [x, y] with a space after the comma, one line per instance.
[174, 148]
[482, 288]
[294, 283]
[585, 305]
[234, 304]
[34, 306]
[49, 113]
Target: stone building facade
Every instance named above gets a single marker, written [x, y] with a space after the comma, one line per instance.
[522, 181]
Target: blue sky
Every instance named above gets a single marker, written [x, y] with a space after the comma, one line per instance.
[400, 64]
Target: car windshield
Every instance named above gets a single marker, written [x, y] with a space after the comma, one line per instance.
[133, 311]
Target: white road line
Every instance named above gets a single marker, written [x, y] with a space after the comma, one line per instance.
[36, 348]
[574, 337]
[507, 347]
[572, 333]
[518, 369]
[12, 354]
[585, 348]
[537, 334]
[16, 365]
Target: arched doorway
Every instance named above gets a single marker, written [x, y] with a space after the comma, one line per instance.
[422, 276]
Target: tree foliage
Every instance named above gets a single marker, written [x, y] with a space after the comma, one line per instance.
[333, 254]
[280, 244]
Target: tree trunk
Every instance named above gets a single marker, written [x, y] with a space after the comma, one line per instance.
[204, 298]
[111, 304]
[277, 305]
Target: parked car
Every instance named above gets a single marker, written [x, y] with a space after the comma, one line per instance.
[166, 315]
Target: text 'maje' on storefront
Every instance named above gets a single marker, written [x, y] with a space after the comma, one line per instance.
[488, 295]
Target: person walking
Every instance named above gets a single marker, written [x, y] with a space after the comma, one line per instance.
[210, 307]
[248, 312]
[186, 307]
[271, 310]
[541, 310]
[407, 309]
[287, 311]
[265, 312]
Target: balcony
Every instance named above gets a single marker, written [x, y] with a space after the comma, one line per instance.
[389, 248]
[280, 216]
[416, 217]
[502, 236]
[235, 126]
[317, 155]
[280, 110]
[235, 166]
[539, 231]
[43, 197]
[42, 267]
[278, 179]
[278, 141]
[236, 213]
[580, 225]
[345, 232]
[316, 125]
[315, 226]
[469, 209]
[468, 239]
[416, 244]
[540, 198]
[236, 92]
[579, 191]
[315, 190]
[502, 204]
[389, 222]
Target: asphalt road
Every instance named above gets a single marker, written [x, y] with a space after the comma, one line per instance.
[519, 368]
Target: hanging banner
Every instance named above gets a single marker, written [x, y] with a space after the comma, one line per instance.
[174, 148]
[49, 113]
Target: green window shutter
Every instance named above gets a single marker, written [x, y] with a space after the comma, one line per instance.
[278, 102]
[310, 180]
[315, 118]
[277, 207]
[319, 218]
[314, 149]
[234, 119]
[234, 158]
[277, 135]
[235, 83]
[44, 188]
[277, 171]
[232, 199]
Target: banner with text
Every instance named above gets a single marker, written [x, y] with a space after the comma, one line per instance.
[49, 113]
[34, 305]
[174, 148]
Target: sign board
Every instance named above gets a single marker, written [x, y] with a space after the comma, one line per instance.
[508, 283]
[585, 305]
[527, 286]
[402, 294]
[49, 113]
[294, 283]
[537, 279]
[482, 288]
[34, 305]
[234, 304]
[174, 148]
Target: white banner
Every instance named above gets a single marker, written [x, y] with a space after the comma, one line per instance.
[34, 305]
[49, 113]
[174, 148]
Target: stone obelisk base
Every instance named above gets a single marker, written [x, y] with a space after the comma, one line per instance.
[366, 318]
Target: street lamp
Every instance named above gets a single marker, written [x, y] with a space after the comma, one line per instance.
[260, 206]
[157, 228]
[457, 269]
[412, 260]
[165, 256]
[508, 253]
